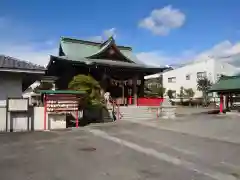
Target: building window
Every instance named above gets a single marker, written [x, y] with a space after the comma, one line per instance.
[138, 82]
[188, 77]
[149, 85]
[172, 79]
[201, 74]
[210, 94]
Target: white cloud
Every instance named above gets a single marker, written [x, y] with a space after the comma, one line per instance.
[110, 32]
[105, 35]
[225, 51]
[159, 58]
[17, 44]
[162, 21]
[28, 52]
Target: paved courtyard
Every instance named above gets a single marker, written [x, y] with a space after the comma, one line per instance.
[122, 150]
[220, 127]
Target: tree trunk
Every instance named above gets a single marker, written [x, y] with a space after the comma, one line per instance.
[204, 98]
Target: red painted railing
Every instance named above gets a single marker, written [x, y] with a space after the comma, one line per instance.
[146, 101]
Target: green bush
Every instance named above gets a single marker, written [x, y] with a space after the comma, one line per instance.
[90, 85]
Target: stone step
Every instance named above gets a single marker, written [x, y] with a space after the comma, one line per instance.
[137, 113]
[134, 108]
[133, 113]
[139, 117]
[126, 116]
[149, 117]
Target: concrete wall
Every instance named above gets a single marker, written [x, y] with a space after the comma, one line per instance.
[57, 121]
[23, 121]
[3, 116]
[10, 86]
[212, 68]
[39, 118]
[54, 121]
[20, 121]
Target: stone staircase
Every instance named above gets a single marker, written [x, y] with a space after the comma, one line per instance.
[137, 113]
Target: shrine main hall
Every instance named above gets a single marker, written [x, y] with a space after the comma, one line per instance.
[115, 67]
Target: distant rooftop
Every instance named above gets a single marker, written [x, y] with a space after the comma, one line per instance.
[227, 84]
[7, 62]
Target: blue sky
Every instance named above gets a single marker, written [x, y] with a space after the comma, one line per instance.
[160, 32]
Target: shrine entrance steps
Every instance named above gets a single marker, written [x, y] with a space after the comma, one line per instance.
[138, 112]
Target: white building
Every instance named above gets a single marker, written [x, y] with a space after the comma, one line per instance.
[15, 76]
[187, 75]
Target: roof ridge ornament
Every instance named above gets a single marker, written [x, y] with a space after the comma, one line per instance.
[112, 47]
[110, 40]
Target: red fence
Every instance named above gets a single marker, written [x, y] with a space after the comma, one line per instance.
[145, 101]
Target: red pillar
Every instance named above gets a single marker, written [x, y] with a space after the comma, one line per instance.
[221, 103]
[129, 100]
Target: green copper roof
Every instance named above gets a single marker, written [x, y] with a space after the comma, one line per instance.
[107, 63]
[104, 62]
[227, 83]
[77, 49]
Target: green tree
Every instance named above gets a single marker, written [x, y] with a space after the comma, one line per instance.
[203, 85]
[86, 83]
[189, 92]
[158, 91]
[154, 91]
[181, 94]
[170, 93]
[153, 87]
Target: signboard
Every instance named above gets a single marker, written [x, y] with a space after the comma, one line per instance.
[61, 103]
[17, 105]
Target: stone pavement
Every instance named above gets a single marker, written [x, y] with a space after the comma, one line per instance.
[184, 110]
[81, 154]
[119, 150]
[213, 158]
[220, 127]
